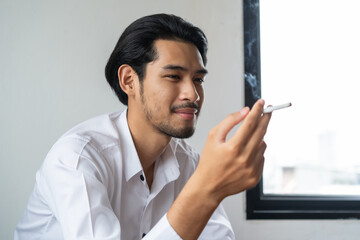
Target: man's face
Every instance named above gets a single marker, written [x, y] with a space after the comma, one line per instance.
[171, 92]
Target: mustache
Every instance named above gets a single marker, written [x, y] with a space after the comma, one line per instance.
[186, 105]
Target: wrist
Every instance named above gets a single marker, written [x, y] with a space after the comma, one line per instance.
[206, 189]
[192, 209]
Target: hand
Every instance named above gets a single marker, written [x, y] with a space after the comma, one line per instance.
[226, 167]
[231, 166]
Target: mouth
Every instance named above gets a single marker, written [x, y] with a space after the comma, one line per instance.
[187, 113]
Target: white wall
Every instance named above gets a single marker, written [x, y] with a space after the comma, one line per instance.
[52, 58]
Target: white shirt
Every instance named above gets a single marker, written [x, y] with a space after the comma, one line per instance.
[92, 186]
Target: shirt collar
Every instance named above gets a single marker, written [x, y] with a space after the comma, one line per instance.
[130, 158]
[168, 162]
[166, 168]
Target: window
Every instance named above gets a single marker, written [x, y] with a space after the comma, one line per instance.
[309, 51]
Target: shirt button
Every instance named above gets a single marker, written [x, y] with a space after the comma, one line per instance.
[142, 177]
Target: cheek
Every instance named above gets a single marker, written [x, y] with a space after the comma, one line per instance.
[165, 93]
[160, 99]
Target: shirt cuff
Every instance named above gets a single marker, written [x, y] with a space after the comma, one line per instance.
[162, 231]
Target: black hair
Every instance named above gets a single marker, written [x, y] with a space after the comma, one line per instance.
[136, 45]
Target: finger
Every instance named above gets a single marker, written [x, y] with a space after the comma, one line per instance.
[258, 159]
[257, 137]
[260, 151]
[260, 168]
[244, 132]
[225, 126]
[257, 152]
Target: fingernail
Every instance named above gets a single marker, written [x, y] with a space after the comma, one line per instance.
[261, 101]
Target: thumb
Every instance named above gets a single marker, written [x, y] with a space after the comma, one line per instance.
[225, 126]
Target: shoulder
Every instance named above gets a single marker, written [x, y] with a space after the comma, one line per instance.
[85, 147]
[99, 131]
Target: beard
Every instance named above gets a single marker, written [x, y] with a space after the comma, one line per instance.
[169, 130]
[165, 126]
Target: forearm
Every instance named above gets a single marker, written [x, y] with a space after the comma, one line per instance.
[192, 209]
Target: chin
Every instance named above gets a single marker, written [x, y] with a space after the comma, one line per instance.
[185, 134]
[178, 133]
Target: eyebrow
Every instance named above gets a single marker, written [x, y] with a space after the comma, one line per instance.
[177, 67]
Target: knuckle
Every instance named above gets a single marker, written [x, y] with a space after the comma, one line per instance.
[232, 149]
[253, 181]
[263, 145]
[251, 124]
[245, 160]
[212, 132]
[254, 175]
[250, 173]
[232, 117]
[257, 179]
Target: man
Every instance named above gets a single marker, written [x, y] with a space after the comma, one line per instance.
[130, 175]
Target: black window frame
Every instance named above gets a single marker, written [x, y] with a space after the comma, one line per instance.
[271, 206]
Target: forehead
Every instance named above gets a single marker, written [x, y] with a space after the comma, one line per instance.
[178, 53]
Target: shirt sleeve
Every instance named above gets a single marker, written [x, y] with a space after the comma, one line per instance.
[76, 192]
[162, 231]
[218, 227]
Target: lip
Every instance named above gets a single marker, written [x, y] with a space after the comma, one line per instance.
[186, 113]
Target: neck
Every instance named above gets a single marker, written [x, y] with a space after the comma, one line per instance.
[149, 143]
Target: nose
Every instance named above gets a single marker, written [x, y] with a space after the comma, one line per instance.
[189, 92]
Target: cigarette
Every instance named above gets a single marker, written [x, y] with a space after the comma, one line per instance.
[273, 108]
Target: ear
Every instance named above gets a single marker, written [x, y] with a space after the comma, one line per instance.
[127, 77]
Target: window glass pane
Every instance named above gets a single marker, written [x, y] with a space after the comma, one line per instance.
[310, 53]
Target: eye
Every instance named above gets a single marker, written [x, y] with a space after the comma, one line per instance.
[199, 80]
[176, 77]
